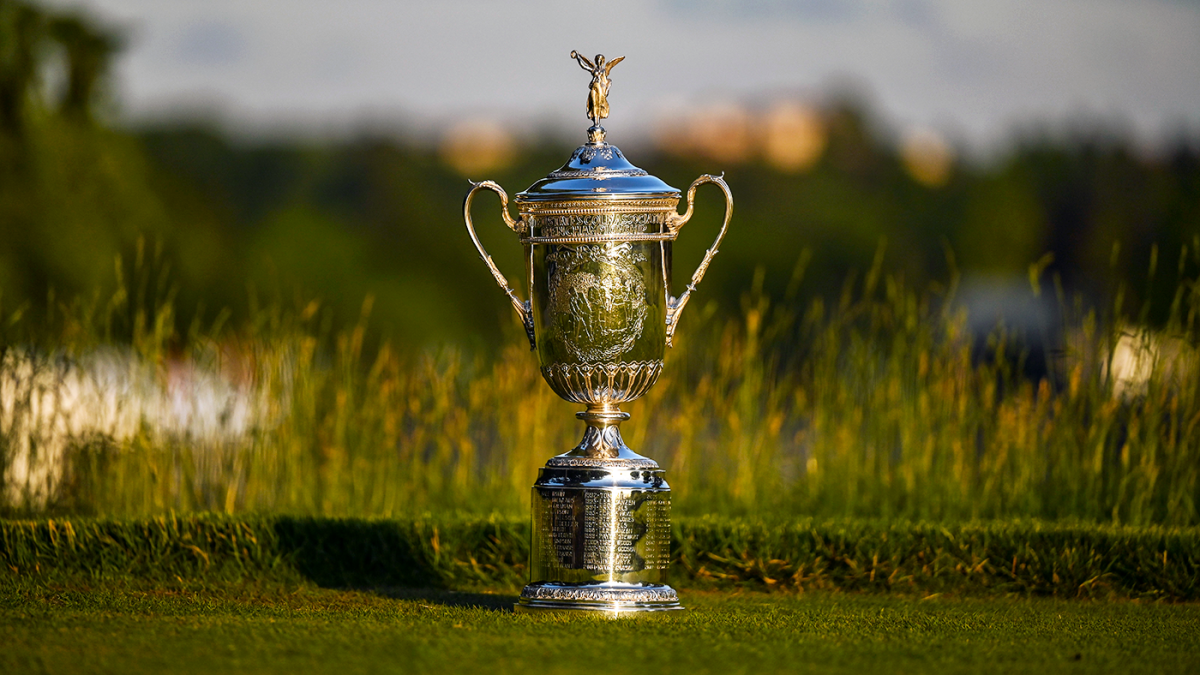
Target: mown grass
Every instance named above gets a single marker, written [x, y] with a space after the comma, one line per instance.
[1022, 558]
[257, 629]
[879, 404]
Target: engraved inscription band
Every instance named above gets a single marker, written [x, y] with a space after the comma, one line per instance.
[602, 463]
[602, 238]
[612, 206]
[650, 594]
[610, 534]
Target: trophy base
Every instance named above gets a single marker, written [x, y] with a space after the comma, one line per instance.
[610, 598]
[601, 535]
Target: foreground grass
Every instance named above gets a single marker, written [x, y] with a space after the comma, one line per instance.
[266, 629]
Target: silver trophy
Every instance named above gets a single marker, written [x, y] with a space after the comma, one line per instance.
[597, 237]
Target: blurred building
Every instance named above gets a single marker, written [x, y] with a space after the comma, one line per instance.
[790, 134]
[477, 146]
[927, 157]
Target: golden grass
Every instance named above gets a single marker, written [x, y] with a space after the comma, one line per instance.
[874, 405]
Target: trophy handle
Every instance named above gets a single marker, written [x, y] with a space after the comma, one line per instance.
[518, 226]
[674, 224]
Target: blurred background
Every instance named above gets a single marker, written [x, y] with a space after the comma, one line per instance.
[185, 165]
[291, 145]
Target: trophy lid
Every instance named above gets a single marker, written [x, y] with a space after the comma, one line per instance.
[597, 169]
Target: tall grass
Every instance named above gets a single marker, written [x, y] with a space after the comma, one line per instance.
[876, 404]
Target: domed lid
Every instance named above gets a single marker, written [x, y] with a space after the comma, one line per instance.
[597, 169]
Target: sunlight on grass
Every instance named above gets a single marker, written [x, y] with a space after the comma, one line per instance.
[879, 403]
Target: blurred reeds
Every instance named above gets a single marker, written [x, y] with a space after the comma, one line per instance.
[879, 403]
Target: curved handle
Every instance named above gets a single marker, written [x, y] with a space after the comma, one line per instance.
[674, 224]
[518, 226]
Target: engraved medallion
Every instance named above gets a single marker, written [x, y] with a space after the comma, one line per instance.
[597, 298]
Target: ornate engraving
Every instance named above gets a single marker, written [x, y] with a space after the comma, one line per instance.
[583, 225]
[567, 226]
[602, 463]
[663, 206]
[601, 238]
[588, 153]
[599, 383]
[599, 173]
[593, 594]
[597, 299]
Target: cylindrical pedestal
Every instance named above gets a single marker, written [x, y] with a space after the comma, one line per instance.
[601, 537]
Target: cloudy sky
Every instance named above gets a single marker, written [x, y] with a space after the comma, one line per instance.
[974, 70]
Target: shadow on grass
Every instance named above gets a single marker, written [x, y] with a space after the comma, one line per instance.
[415, 554]
[485, 601]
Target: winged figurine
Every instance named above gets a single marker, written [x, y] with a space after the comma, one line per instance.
[597, 105]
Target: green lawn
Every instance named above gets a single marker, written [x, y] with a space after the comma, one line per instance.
[122, 628]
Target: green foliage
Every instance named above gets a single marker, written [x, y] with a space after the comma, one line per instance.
[73, 194]
[828, 394]
[1072, 198]
[380, 216]
[888, 411]
[1026, 557]
[1019, 557]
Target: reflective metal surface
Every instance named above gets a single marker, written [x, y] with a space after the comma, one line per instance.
[597, 104]
[597, 237]
[601, 539]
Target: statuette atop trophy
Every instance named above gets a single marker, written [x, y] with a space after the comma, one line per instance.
[597, 236]
[597, 104]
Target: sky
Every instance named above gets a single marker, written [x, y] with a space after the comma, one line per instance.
[975, 71]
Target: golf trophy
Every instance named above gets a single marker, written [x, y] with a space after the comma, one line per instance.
[597, 237]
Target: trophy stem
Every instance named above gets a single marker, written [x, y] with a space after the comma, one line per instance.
[602, 437]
